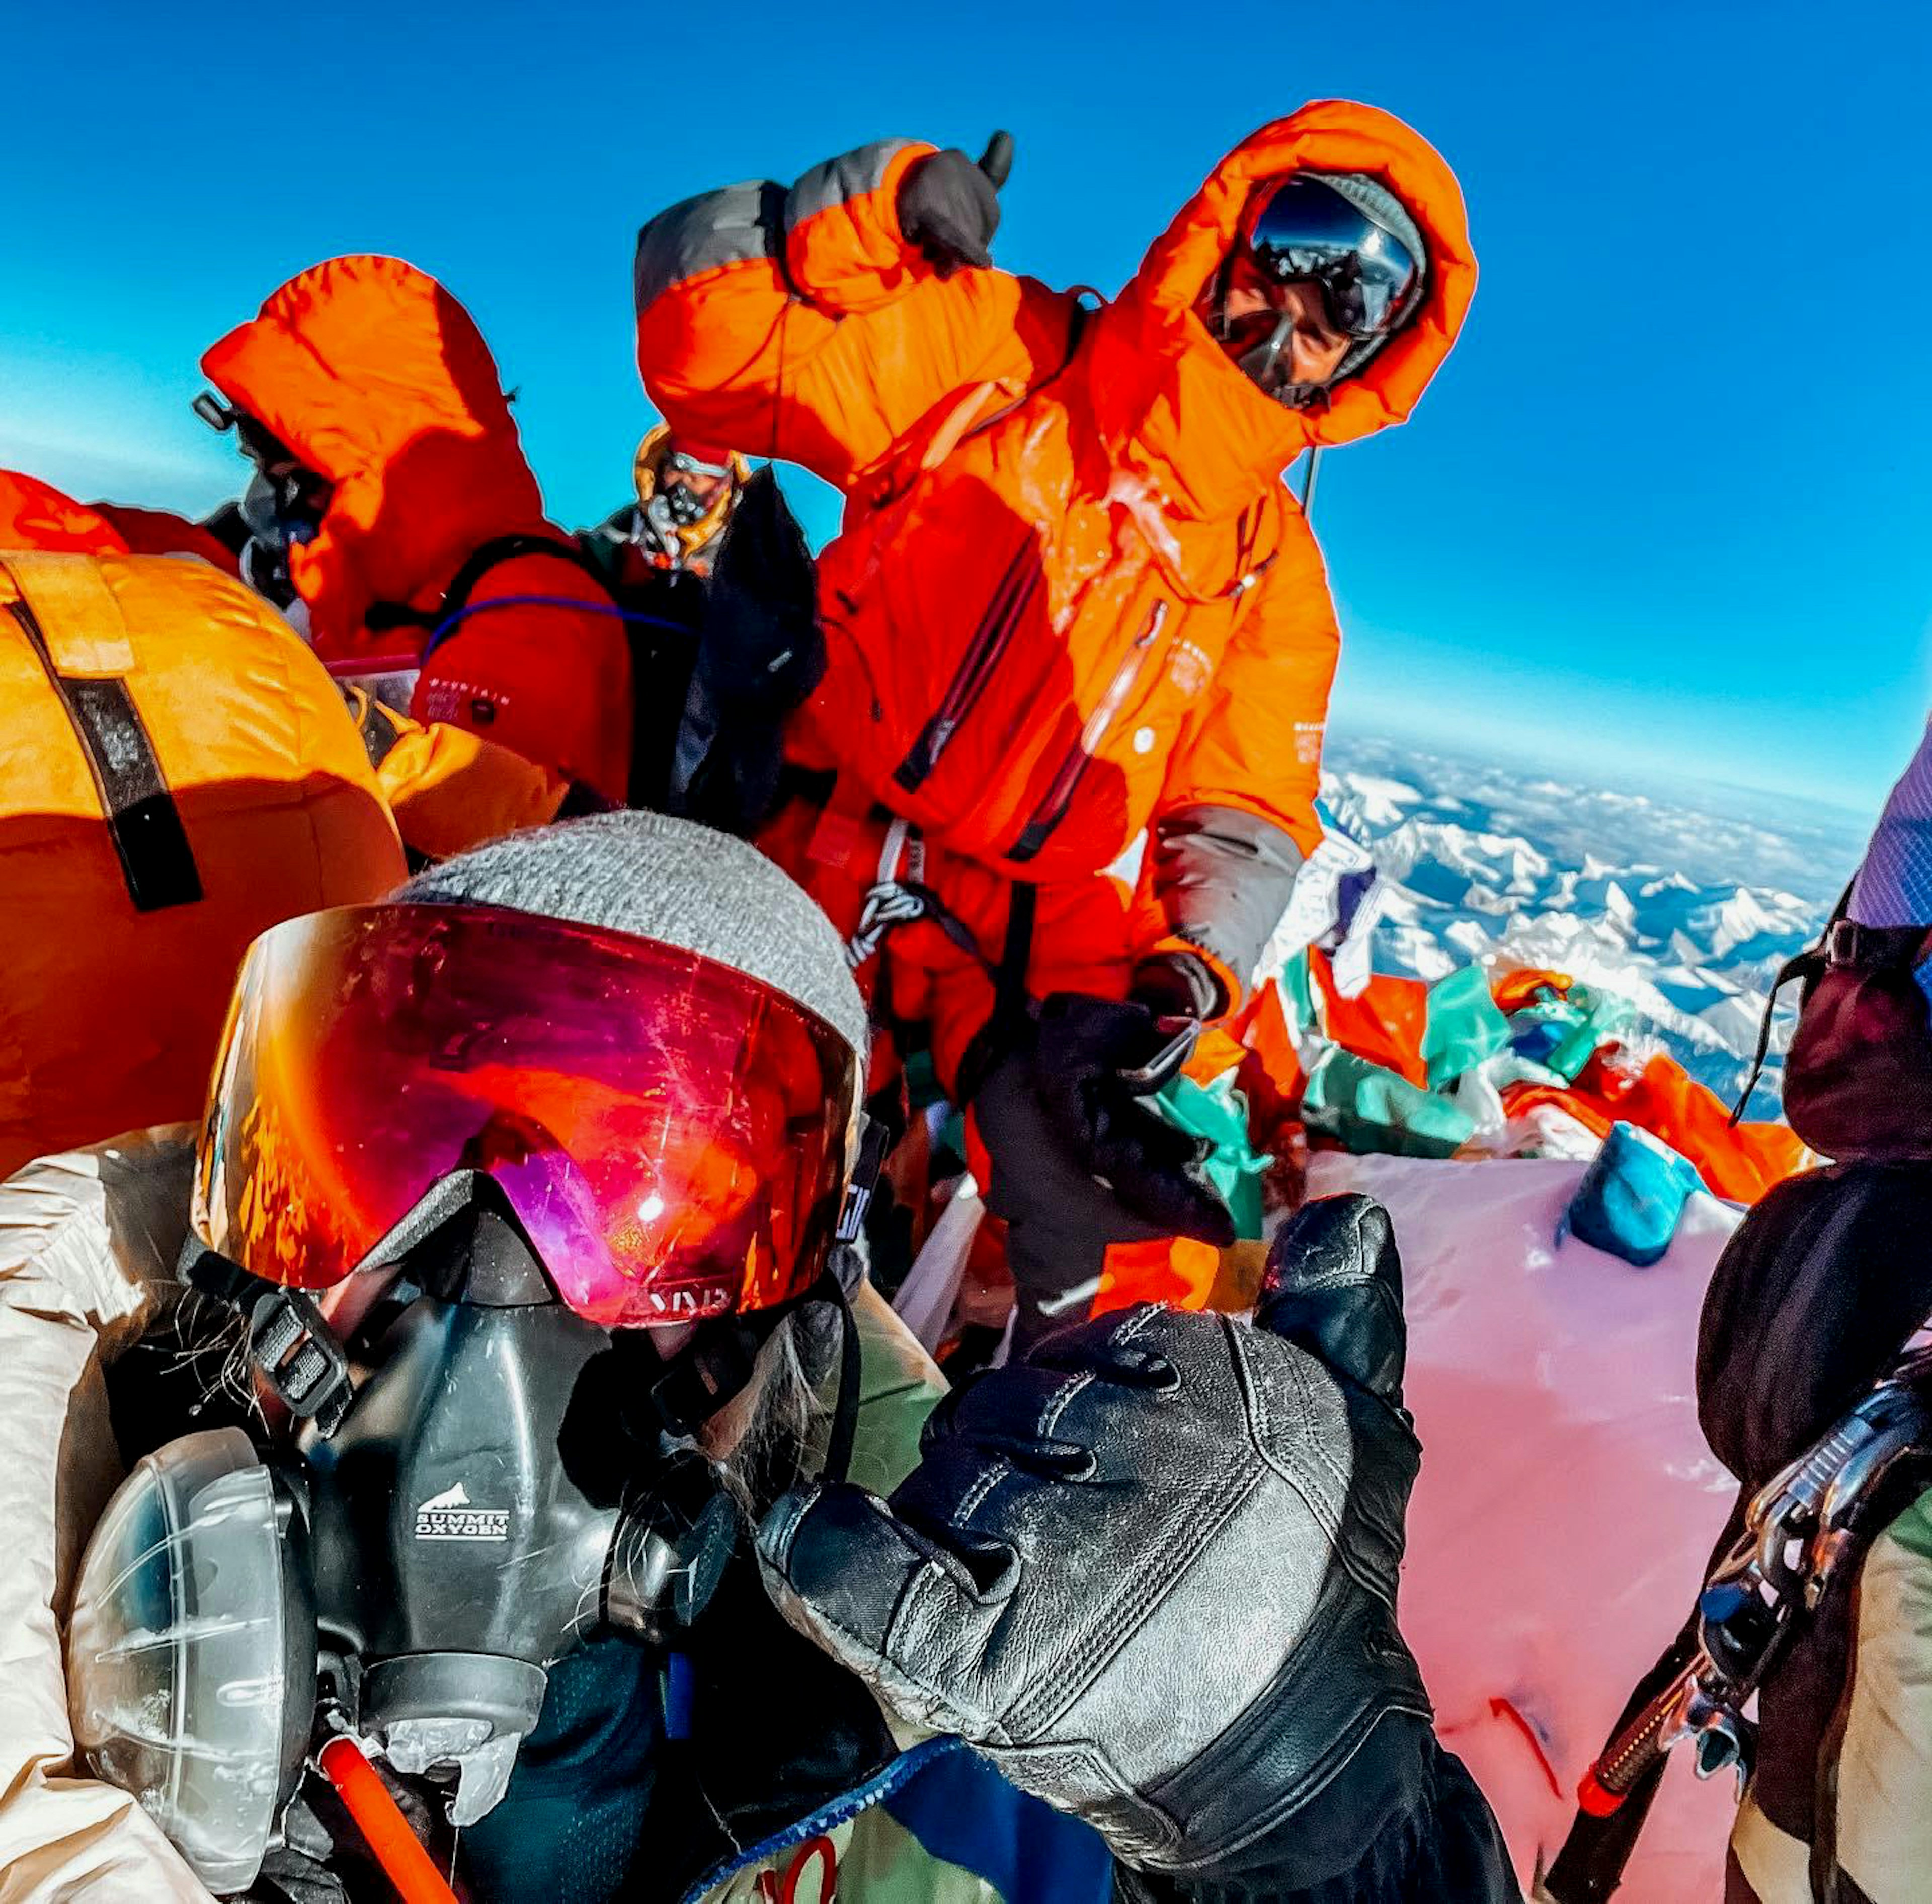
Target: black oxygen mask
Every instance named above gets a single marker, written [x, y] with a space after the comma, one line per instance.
[479, 1481]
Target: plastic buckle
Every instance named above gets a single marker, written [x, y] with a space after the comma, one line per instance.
[1844, 940]
[874, 1141]
[1849, 946]
[300, 1358]
[289, 1340]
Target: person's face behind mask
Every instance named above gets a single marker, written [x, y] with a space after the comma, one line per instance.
[282, 508]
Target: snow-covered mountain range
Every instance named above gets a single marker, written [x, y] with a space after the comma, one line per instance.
[1685, 898]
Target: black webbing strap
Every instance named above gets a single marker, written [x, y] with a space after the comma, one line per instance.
[1844, 946]
[1808, 966]
[1009, 978]
[1009, 1027]
[838, 1467]
[143, 822]
[384, 617]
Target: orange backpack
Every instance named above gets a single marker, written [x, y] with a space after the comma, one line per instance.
[178, 773]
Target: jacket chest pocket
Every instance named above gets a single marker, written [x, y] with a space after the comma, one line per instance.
[1011, 602]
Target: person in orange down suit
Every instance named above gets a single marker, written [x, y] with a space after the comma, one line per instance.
[1072, 600]
[392, 508]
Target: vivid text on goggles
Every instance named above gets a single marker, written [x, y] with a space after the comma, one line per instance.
[670, 1132]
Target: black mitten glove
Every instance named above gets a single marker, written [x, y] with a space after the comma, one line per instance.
[1151, 1573]
[1095, 1062]
[949, 207]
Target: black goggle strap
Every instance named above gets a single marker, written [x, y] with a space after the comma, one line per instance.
[831, 1288]
[845, 1270]
[875, 1139]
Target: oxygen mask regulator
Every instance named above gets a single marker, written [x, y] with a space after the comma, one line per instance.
[281, 508]
[679, 517]
[475, 1480]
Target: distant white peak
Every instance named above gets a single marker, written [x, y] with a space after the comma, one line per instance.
[1382, 802]
[1596, 869]
[1741, 918]
[1516, 852]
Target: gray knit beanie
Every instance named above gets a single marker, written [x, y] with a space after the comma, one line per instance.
[671, 880]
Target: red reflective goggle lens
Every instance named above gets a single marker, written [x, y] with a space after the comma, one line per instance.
[670, 1132]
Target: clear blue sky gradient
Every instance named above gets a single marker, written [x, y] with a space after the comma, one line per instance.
[1668, 507]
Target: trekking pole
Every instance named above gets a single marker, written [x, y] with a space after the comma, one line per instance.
[1623, 1762]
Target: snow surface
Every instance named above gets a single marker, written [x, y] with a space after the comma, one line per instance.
[1567, 1504]
[1686, 898]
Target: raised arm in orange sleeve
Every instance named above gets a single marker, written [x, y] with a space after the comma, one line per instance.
[799, 323]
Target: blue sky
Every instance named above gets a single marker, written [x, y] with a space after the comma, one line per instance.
[1666, 509]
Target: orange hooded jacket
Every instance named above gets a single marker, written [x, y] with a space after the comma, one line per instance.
[1072, 598]
[377, 379]
[161, 532]
[34, 514]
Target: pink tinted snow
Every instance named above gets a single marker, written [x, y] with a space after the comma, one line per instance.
[1566, 1504]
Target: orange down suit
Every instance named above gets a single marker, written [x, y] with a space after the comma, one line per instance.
[1072, 602]
[377, 379]
[1072, 599]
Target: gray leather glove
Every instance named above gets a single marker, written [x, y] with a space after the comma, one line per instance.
[1151, 1573]
[949, 207]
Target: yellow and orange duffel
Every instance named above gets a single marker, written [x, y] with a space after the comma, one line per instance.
[178, 773]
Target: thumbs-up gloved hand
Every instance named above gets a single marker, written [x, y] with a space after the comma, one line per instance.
[949, 207]
[1151, 1572]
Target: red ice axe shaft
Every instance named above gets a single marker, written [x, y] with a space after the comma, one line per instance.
[397, 1849]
